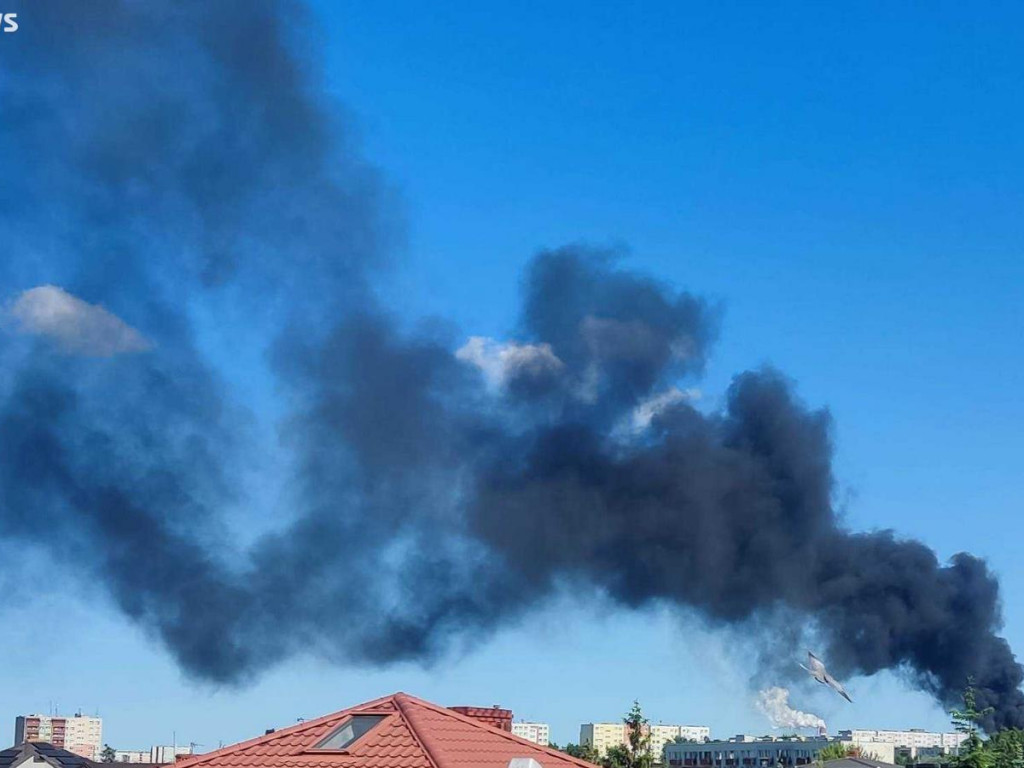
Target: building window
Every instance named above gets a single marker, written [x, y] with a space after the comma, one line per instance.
[349, 731]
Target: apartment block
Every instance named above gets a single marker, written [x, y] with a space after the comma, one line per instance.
[79, 734]
[538, 733]
[604, 736]
[914, 737]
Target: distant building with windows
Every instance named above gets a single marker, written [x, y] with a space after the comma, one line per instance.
[913, 743]
[134, 756]
[78, 734]
[661, 735]
[157, 754]
[765, 752]
[605, 736]
[538, 733]
[602, 736]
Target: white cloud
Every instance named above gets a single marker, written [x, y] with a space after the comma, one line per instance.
[645, 411]
[498, 360]
[78, 327]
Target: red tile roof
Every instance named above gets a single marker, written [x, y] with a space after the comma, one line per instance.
[413, 734]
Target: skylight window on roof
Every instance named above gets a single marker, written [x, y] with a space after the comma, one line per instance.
[349, 731]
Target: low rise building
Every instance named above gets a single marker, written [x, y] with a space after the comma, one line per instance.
[667, 734]
[158, 754]
[765, 752]
[855, 762]
[131, 756]
[169, 753]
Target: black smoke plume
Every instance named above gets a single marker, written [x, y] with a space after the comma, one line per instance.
[174, 162]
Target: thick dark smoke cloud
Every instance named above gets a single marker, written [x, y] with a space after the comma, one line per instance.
[161, 155]
[173, 161]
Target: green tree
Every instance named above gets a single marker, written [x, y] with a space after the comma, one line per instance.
[836, 750]
[636, 752]
[638, 733]
[581, 751]
[616, 757]
[1006, 748]
[682, 740]
[107, 755]
[973, 752]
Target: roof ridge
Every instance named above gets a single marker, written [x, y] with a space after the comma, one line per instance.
[49, 759]
[51, 755]
[480, 724]
[399, 703]
[278, 733]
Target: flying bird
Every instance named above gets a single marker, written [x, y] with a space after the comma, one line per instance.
[816, 668]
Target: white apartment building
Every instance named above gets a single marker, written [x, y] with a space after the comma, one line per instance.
[155, 754]
[604, 736]
[915, 738]
[131, 755]
[538, 733]
[79, 734]
[168, 753]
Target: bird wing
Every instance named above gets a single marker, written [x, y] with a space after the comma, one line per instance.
[837, 687]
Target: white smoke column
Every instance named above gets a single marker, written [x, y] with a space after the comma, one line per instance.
[774, 703]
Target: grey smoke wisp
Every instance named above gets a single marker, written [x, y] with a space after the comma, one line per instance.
[174, 162]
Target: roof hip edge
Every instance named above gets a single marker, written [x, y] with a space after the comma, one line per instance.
[399, 699]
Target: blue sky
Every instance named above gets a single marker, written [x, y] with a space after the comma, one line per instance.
[845, 181]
